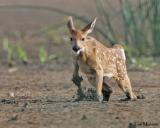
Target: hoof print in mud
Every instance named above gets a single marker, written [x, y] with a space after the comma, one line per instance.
[141, 97]
[125, 99]
[13, 118]
[8, 101]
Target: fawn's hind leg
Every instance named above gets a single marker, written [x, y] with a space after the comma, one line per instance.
[123, 80]
[125, 85]
[106, 89]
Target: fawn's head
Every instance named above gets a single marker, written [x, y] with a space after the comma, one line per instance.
[78, 36]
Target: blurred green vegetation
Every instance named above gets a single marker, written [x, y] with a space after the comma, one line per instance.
[141, 32]
[14, 52]
[9, 50]
[21, 54]
[56, 34]
[141, 24]
[43, 55]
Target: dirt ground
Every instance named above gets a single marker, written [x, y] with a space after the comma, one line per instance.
[41, 96]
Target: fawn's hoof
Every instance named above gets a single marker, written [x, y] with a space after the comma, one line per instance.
[129, 99]
[100, 97]
[131, 96]
[133, 99]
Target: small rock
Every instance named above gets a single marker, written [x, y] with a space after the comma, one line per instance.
[11, 94]
[22, 110]
[12, 70]
[116, 117]
[13, 118]
[132, 125]
[84, 117]
[25, 105]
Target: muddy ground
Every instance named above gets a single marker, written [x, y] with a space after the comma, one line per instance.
[41, 96]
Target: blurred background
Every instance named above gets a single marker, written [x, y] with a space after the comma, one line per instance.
[35, 32]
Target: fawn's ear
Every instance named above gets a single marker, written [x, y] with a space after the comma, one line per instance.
[89, 28]
[70, 24]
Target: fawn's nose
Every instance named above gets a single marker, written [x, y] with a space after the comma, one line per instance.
[76, 48]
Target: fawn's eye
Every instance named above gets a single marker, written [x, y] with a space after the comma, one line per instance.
[71, 39]
[83, 39]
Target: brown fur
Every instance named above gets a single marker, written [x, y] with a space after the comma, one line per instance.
[98, 61]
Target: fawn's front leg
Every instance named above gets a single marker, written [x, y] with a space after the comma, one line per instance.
[76, 78]
[77, 81]
[99, 84]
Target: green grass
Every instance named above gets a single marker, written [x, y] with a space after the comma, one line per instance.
[43, 55]
[21, 54]
[14, 52]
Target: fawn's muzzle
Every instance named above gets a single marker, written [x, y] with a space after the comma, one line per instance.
[76, 48]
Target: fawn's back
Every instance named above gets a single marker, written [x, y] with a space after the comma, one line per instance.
[95, 55]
